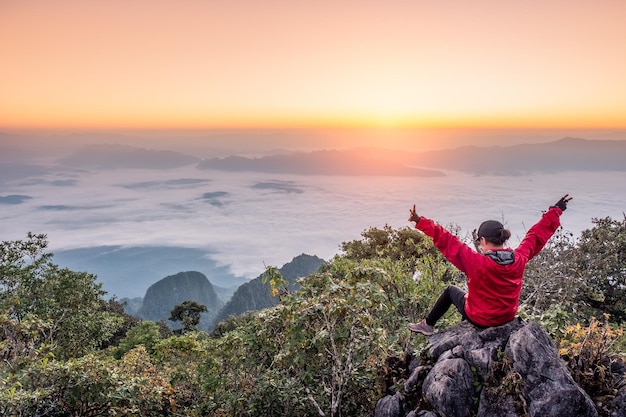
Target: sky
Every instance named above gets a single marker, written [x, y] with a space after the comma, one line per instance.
[201, 64]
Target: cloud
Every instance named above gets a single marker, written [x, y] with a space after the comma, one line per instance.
[288, 187]
[166, 184]
[54, 183]
[215, 197]
[14, 199]
[63, 207]
[269, 220]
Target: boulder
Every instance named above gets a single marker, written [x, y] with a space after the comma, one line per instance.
[448, 387]
[549, 388]
[390, 406]
[504, 371]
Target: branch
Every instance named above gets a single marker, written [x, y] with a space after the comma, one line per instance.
[315, 404]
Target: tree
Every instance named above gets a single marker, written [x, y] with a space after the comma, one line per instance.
[405, 245]
[118, 308]
[145, 333]
[22, 264]
[63, 307]
[320, 351]
[188, 313]
[601, 261]
[550, 277]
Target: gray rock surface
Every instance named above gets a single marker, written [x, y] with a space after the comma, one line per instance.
[505, 371]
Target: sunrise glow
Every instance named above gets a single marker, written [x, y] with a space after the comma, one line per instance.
[198, 64]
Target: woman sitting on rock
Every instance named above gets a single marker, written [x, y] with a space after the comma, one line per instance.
[494, 276]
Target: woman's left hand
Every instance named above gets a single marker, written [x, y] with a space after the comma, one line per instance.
[414, 217]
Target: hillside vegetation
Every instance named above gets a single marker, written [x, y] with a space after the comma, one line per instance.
[324, 349]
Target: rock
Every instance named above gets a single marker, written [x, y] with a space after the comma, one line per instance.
[448, 387]
[494, 404]
[548, 386]
[418, 374]
[463, 334]
[504, 371]
[618, 405]
[390, 406]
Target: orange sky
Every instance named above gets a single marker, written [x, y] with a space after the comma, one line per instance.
[285, 63]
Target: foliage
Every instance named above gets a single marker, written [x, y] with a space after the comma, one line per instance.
[550, 278]
[254, 295]
[321, 351]
[591, 356]
[405, 244]
[273, 277]
[22, 342]
[584, 277]
[145, 333]
[116, 308]
[188, 313]
[181, 358]
[64, 304]
[600, 258]
[555, 319]
[92, 385]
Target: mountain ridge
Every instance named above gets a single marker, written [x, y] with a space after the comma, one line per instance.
[254, 295]
[114, 156]
[566, 154]
[163, 295]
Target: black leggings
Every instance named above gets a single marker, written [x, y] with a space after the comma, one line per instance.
[451, 295]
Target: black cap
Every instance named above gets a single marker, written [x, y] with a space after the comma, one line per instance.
[490, 228]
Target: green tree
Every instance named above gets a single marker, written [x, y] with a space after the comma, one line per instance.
[66, 304]
[145, 333]
[188, 313]
[22, 264]
[320, 351]
[91, 385]
[116, 308]
[407, 245]
[600, 259]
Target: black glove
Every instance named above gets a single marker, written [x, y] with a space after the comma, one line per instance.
[562, 203]
[414, 217]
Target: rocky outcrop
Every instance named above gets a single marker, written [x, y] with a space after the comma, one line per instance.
[172, 290]
[505, 371]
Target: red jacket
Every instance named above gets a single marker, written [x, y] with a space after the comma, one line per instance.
[493, 289]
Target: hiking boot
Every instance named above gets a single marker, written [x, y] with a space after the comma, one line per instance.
[422, 328]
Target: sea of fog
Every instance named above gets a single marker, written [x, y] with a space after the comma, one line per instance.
[239, 222]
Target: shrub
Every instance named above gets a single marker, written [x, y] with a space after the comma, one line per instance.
[591, 356]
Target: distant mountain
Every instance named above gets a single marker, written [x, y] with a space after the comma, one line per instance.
[567, 154]
[129, 271]
[132, 305]
[122, 156]
[165, 294]
[254, 295]
[364, 161]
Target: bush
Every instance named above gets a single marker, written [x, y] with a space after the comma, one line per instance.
[591, 356]
[93, 385]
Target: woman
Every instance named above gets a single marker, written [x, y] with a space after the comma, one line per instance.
[494, 276]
